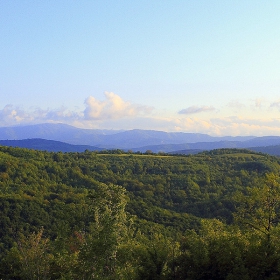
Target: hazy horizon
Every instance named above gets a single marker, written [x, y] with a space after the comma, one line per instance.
[210, 67]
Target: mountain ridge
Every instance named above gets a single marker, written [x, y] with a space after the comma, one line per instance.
[120, 139]
[66, 138]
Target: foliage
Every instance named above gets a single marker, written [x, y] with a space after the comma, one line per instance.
[117, 215]
[258, 208]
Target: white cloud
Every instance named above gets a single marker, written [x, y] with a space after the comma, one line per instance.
[195, 110]
[114, 107]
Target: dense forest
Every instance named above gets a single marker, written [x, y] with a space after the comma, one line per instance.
[124, 215]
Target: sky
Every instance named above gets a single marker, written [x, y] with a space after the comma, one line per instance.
[201, 66]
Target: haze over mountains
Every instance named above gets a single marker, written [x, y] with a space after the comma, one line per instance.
[67, 138]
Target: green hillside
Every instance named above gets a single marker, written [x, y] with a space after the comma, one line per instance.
[115, 215]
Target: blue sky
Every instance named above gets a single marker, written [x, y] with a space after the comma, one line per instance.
[193, 66]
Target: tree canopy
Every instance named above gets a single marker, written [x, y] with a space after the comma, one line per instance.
[116, 215]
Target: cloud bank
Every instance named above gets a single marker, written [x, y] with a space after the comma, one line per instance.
[95, 112]
[11, 115]
[115, 113]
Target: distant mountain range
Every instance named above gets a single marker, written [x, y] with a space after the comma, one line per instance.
[65, 138]
[107, 138]
[271, 141]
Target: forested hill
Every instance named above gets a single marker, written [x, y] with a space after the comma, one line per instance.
[47, 145]
[105, 212]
